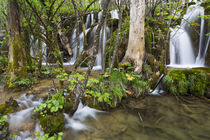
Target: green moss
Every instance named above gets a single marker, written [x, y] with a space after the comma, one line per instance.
[52, 123]
[197, 83]
[185, 82]
[4, 109]
[17, 67]
[176, 82]
[68, 106]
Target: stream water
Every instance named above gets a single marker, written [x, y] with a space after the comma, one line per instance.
[151, 118]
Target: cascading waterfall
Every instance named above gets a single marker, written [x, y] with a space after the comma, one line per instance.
[181, 47]
[92, 19]
[114, 14]
[22, 118]
[87, 23]
[76, 122]
[74, 45]
[104, 35]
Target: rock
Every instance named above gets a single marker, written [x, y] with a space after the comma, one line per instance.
[52, 123]
[3, 135]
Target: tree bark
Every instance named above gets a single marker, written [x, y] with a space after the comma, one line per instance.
[136, 45]
[17, 54]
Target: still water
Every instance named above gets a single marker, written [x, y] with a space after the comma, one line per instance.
[150, 118]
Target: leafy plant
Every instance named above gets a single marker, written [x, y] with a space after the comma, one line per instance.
[54, 104]
[47, 137]
[3, 123]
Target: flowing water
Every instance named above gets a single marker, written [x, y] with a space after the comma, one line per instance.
[182, 54]
[21, 123]
[151, 118]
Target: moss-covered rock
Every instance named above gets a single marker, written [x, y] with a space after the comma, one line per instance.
[8, 107]
[52, 123]
[176, 82]
[197, 83]
[183, 82]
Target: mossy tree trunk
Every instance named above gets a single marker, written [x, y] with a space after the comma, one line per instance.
[136, 45]
[17, 55]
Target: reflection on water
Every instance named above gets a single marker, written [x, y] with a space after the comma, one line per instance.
[151, 118]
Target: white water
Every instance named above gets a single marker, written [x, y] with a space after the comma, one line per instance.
[87, 23]
[75, 46]
[158, 87]
[19, 120]
[114, 14]
[92, 18]
[182, 53]
[104, 35]
[76, 122]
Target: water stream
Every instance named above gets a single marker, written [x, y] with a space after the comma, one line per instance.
[153, 117]
[21, 123]
[182, 51]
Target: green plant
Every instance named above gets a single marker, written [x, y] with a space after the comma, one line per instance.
[176, 82]
[3, 63]
[54, 104]
[197, 83]
[185, 82]
[47, 137]
[3, 123]
[111, 88]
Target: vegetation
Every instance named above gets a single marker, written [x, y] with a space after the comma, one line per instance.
[41, 39]
[183, 82]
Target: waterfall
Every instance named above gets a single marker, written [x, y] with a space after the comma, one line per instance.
[114, 14]
[87, 23]
[181, 47]
[99, 16]
[74, 45]
[92, 18]
[104, 35]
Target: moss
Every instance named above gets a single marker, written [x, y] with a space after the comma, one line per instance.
[186, 82]
[197, 83]
[68, 106]
[8, 107]
[52, 123]
[154, 81]
[176, 82]
[4, 109]
[17, 67]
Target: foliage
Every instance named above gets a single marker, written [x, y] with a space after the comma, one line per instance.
[52, 124]
[3, 63]
[197, 83]
[112, 88]
[47, 137]
[22, 83]
[3, 123]
[53, 105]
[185, 82]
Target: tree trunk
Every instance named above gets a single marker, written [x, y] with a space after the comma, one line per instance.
[136, 45]
[17, 54]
